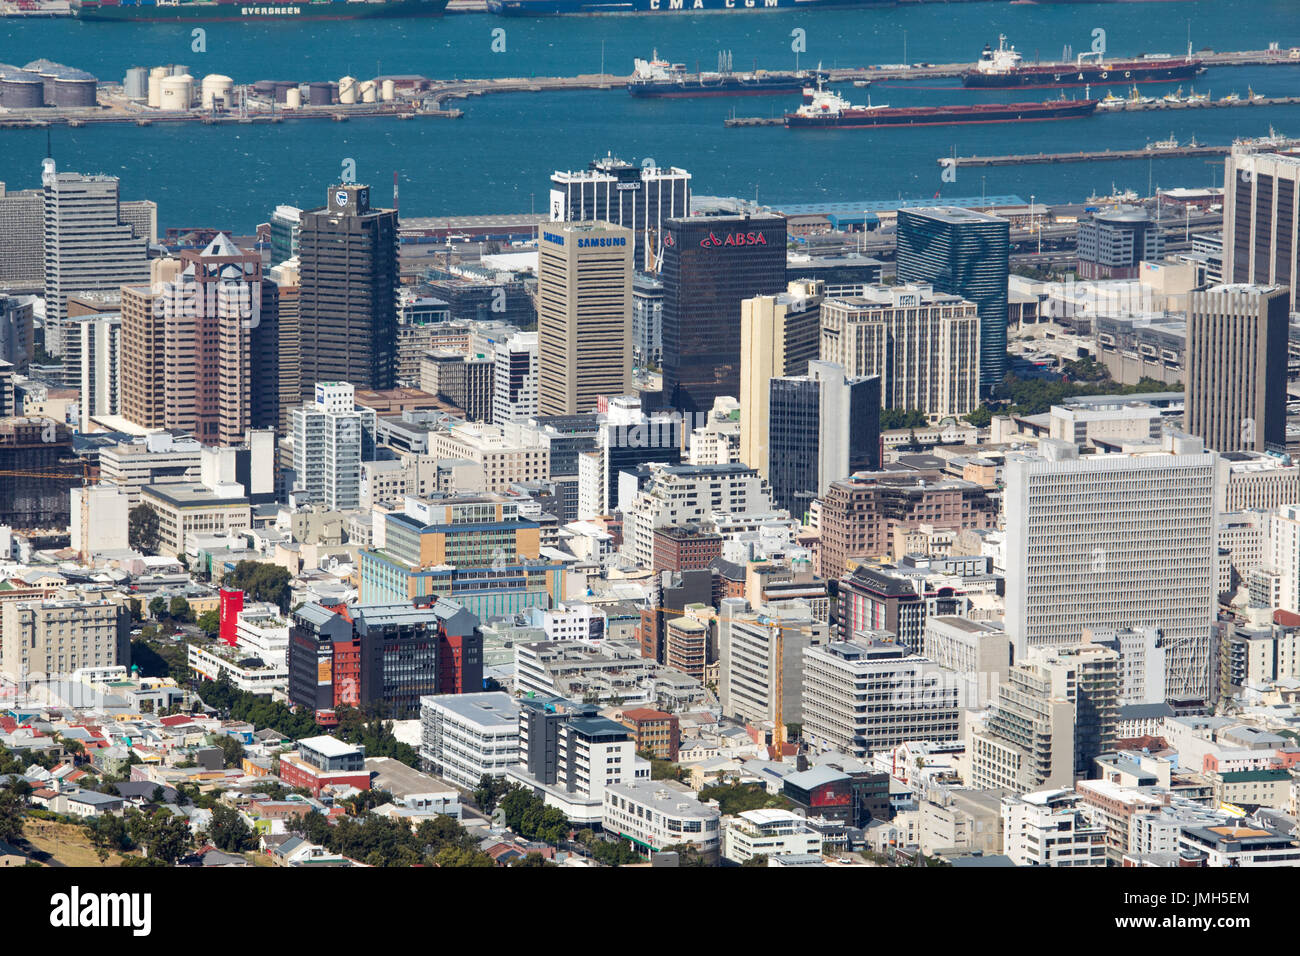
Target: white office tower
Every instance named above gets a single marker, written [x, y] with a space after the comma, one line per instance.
[514, 382]
[88, 245]
[327, 442]
[1281, 561]
[95, 342]
[1123, 540]
[761, 661]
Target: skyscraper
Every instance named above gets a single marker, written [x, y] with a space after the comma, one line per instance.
[821, 427]
[923, 344]
[641, 198]
[144, 395]
[348, 292]
[711, 264]
[88, 245]
[327, 446]
[514, 381]
[1235, 391]
[963, 253]
[584, 315]
[220, 345]
[778, 337]
[1261, 210]
[1125, 540]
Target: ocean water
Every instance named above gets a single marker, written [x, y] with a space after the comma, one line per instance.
[498, 158]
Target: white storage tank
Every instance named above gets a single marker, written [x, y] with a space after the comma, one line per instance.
[217, 87]
[348, 89]
[389, 90]
[137, 84]
[156, 76]
[293, 98]
[177, 92]
[368, 91]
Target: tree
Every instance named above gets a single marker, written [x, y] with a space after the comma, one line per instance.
[533, 859]
[142, 528]
[261, 582]
[210, 623]
[180, 609]
[490, 790]
[232, 750]
[735, 798]
[613, 852]
[980, 417]
[901, 418]
[758, 859]
[158, 608]
[229, 832]
[12, 808]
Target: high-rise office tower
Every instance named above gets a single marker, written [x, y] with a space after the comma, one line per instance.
[711, 264]
[220, 342]
[347, 300]
[778, 337]
[1124, 540]
[1261, 212]
[584, 315]
[285, 276]
[923, 344]
[328, 437]
[286, 222]
[641, 198]
[144, 395]
[965, 253]
[96, 340]
[821, 427]
[514, 381]
[88, 245]
[1235, 391]
[22, 232]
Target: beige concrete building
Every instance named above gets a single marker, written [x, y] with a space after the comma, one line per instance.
[1237, 367]
[584, 315]
[506, 453]
[923, 344]
[187, 509]
[778, 337]
[144, 399]
[58, 637]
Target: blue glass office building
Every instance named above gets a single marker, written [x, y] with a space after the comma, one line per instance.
[965, 253]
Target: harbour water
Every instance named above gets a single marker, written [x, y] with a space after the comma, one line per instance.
[499, 156]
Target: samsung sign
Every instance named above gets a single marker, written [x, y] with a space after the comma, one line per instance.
[553, 238]
[603, 241]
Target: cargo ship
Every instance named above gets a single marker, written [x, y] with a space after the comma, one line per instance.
[214, 11]
[1002, 69]
[831, 111]
[559, 8]
[659, 78]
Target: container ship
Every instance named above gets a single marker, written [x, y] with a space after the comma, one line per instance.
[831, 111]
[221, 10]
[659, 78]
[1002, 69]
[558, 8]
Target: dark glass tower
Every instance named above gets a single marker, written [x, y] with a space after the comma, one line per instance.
[348, 292]
[821, 427]
[963, 253]
[710, 265]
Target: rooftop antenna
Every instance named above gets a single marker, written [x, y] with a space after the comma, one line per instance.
[49, 148]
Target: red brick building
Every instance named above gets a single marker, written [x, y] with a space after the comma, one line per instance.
[685, 549]
[654, 730]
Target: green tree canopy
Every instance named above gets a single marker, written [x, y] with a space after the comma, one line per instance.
[261, 581]
[142, 529]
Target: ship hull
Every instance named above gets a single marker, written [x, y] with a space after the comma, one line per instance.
[224, 12]
[1062, 75]
[690, 90]
[559, 8]
[870, 119]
